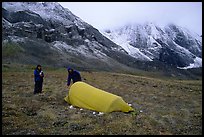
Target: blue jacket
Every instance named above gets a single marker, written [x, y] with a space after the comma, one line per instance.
[37, 76]
[75, 76]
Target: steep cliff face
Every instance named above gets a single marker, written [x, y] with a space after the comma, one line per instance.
[66, 39]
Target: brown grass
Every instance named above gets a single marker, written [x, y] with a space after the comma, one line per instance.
[167, 106]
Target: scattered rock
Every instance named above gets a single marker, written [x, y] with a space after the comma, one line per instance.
[59, 123]
[75, 127]
[141, 111]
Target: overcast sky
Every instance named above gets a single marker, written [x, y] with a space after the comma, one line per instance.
[104, 15]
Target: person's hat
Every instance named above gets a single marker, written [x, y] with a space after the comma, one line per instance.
[69, 68]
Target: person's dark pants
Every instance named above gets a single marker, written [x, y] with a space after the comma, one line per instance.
[38, 87]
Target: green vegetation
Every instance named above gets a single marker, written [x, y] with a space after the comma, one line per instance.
[11, 49]
[162, 105]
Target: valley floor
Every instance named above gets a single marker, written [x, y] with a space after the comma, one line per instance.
[168, 107]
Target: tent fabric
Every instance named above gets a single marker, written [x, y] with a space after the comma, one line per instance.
[86, 96]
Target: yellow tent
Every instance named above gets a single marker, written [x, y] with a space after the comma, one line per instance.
[86, 96]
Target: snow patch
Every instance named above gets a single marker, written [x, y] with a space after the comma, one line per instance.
[86, 40]
[197, 63]
[61, 46]
[6, 23]
[122, 40]
[16, 39]
[47, 10]
[152, 30]
[80, 49]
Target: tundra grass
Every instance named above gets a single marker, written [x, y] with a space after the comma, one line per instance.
[162, 106]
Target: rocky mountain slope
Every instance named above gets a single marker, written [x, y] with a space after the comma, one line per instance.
[46, 33]
[56, 35]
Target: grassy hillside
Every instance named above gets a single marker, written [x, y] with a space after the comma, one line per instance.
[163, 106]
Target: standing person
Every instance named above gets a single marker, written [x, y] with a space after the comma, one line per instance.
[38, 77]
[73, 75]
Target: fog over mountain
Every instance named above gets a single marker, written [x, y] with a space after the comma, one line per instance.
[104, 15]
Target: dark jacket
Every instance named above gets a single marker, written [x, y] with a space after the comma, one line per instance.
[75, 76]
[37, 76]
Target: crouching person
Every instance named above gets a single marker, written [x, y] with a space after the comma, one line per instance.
[73, 75]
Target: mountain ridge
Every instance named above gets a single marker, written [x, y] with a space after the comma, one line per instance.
[47, 40]
[151, 41]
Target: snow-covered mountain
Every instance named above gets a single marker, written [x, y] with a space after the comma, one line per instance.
[47, 10]
[60, 32]
[172, 44]
[46, 33]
